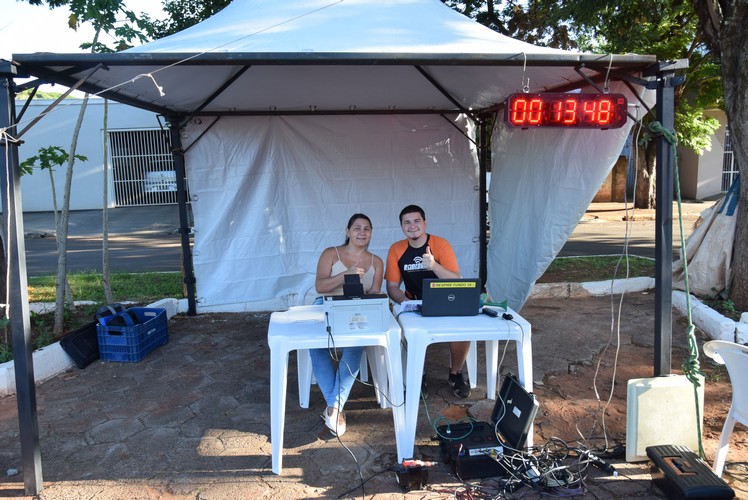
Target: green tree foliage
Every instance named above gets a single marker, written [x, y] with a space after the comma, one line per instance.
[105, 16]
[40, 95]
[48, 158]
[669, 29]
[185, 13]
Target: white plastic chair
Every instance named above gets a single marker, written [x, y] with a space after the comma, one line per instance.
[735, 358]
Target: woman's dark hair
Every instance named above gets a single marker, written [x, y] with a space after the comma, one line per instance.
[352, 220]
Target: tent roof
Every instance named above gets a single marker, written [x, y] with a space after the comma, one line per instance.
[258, 57]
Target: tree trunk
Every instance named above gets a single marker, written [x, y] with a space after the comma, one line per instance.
[645, 195]
[56, 212]
[734, 47]
[62, 228]
[105, 213]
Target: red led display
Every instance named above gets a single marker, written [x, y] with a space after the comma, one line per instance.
[566, 110]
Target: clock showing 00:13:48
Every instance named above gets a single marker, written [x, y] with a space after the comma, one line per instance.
[602, 111]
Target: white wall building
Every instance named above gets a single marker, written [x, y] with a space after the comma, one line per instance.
[710, 174]
[139, 160]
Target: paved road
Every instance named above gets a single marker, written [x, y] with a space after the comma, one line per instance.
[146, 238]
[603, 230]
[140, 239]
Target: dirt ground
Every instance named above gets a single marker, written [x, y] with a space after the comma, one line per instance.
[574, 403]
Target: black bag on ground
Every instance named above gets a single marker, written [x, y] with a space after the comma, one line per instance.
[82, 345]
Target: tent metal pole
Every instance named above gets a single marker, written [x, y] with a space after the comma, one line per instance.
[17, 308]
[188, 272]
[484, 162]
[663, 341]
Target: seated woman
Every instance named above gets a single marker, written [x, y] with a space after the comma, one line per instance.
[335, 375]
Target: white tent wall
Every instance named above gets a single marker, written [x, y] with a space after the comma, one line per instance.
[56, 129]
[270, 193]
[542, 181]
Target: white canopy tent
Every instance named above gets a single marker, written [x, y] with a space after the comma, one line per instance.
[297, 114]
[287, 117]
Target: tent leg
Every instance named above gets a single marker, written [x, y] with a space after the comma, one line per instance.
[663, 341]
[484, 162]
[17, 309]
[188, 271]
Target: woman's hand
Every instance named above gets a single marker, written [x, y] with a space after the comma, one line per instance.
[355, 269]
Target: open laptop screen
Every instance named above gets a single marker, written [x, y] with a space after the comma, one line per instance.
[451, 297]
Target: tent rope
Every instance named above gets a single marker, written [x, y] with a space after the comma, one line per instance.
[691, 366]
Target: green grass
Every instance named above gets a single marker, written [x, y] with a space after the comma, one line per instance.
[141, 288]
[596, 268]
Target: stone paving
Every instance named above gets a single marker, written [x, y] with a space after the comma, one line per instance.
[191, 420]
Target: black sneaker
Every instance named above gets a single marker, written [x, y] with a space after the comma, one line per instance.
[424, 388]
[460, 387]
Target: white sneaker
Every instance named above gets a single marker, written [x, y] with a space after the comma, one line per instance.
[332, 422]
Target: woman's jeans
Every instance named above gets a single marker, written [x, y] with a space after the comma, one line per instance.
[336, 382]
[335, 378]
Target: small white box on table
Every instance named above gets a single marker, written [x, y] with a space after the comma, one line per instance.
[370, 313]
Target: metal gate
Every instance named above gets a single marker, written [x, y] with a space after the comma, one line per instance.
[729, 166]
[142, 168]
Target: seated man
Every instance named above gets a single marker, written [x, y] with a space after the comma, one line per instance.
[419, 256]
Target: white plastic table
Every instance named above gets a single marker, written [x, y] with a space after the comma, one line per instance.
[420, 332]
[303, 327]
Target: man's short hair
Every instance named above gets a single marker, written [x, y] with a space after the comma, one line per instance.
[410, 209]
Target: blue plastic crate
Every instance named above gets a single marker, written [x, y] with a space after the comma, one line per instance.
[135, 342]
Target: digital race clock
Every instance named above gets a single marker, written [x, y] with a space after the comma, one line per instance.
[566, 110]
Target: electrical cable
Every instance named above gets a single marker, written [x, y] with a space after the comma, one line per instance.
[615, 315]
[333, 354]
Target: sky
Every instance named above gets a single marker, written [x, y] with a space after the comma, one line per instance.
[25, 29]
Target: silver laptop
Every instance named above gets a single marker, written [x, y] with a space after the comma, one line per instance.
[450, 297]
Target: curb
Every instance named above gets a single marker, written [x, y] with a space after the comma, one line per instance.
[53, 360]
[716, 326]
[591, 288]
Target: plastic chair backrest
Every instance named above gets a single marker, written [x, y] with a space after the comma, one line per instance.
[735, 358]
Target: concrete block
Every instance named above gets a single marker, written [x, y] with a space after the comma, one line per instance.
[170, 305]
[578, 290]
[716, 326]
[183, 306]
[741, 333]
[48, 362]
[618, 286]
[548, 290]
[7, 379]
